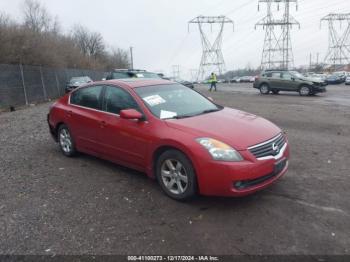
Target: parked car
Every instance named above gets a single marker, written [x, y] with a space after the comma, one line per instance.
[252, 79]
[347, 80]
[334, 79]
[131, 73]
[283, 80]
[75, 82]
[183, 82]
[322, 77]
[245, 79]
[172, 133]
[342, 75]
[236, 79]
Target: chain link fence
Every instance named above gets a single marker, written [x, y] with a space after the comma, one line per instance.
[23, 84]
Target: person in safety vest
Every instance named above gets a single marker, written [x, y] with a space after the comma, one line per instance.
[213, 80]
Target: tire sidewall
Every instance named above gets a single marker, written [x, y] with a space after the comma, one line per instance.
[192, 180]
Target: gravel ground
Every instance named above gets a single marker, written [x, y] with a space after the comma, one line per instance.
[50, 204]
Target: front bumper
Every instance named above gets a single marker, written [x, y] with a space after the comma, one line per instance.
[319, 89]
[51, 128]
[240, 178]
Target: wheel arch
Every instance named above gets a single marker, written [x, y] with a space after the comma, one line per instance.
[305, 84]
[163, 148]
[264, 83]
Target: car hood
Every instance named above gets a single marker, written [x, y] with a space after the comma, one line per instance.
[233, 127]
[312, 79]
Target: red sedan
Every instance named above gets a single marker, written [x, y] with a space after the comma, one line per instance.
[173, 134]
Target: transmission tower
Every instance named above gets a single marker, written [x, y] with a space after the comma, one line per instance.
[339, 42]
[277, 50]
[212, 57]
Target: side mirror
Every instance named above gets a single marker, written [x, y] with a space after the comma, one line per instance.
[131, 114]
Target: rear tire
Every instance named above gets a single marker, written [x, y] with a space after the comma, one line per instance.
[176, 175]
[264, 89]
[304, 91]
[65, 141]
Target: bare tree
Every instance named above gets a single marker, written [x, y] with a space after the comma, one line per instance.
[37, 18]
[38, 41]
[90, 43]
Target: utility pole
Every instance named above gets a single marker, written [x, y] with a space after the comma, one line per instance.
[277, 50]
[176, 71]
[131, 57]
[194, 73]
[212, 57]
[310, 64]
[339, 42]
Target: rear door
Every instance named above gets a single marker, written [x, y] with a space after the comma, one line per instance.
[274, 80]
[84, 117]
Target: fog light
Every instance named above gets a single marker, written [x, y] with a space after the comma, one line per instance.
[239, 184]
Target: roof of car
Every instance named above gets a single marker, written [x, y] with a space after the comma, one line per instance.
[138, 82]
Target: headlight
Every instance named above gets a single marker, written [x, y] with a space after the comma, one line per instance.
[220, 151]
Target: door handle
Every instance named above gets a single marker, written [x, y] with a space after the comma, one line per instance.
[69, 113]
[103, 124]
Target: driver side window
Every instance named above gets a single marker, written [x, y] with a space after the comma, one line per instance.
[116, 99]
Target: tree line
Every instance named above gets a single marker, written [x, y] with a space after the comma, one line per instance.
[39, 40]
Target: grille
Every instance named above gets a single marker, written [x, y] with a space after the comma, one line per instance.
[268, 148]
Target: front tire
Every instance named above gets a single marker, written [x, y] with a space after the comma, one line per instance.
[264, 89]
[304, 91]
[176, 175]
[65, 141]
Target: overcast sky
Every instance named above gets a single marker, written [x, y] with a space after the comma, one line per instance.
[158, 31]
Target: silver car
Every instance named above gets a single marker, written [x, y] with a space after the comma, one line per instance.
[347, 80]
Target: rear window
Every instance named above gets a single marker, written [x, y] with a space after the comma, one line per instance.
[87, 97]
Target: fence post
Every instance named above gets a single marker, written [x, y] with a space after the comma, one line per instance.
[23, 84]
[42, 82]
[57, 84]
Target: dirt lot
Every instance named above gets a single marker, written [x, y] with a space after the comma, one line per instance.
[50, 204]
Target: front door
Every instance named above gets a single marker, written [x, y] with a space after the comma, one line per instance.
[123, 140]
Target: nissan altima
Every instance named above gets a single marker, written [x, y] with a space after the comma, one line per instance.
[175, 135]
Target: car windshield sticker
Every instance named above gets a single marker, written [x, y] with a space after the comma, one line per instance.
[154, 100]
[140, 75]
[167, 114]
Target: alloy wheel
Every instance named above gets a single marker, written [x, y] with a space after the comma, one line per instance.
[174, 176]
[65, 141]
[264, 89]
[304, 91]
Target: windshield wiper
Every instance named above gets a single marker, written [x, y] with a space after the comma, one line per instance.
[209, 111]
[191, 115]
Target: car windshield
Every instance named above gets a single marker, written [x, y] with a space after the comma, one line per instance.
[296, 74]
[175, 101]
[80, 80]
